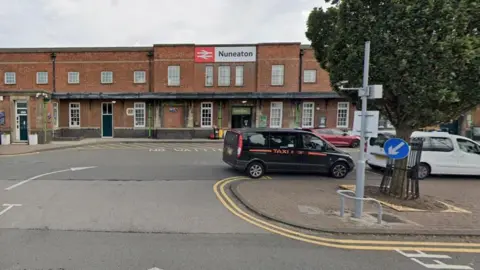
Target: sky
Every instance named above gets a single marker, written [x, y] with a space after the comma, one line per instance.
[67, 23]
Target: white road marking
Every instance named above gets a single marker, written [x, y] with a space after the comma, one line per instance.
[437, 265]
[45, 174]
[8, 207]
[155, 268]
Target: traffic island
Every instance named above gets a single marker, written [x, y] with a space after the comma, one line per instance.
[315, 206]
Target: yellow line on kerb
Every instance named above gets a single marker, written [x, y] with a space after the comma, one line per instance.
[219, 189]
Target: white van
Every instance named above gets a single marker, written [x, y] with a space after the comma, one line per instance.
[443, 153]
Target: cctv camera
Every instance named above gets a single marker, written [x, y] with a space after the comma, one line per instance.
[341, 83]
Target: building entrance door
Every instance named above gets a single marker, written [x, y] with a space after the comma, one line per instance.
[241, 117]
[21, 117]
[107, 120]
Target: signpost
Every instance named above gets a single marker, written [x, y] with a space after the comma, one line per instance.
[396, 148]
[372, 123]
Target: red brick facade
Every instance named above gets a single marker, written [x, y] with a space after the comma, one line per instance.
[78, 71]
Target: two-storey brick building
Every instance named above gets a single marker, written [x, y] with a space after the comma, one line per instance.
[164, 91]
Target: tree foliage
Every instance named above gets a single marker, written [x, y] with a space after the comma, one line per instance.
[424, 53]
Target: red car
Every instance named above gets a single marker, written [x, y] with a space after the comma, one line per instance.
[336, 137]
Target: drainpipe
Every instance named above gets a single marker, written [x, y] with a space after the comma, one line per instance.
[219, 118]
[150, 71]
[149, 120]
[44, 121]
[53, 55]
[300, 70]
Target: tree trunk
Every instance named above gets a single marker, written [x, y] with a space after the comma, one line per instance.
[399, 181]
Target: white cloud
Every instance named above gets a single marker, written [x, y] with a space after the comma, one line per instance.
[42, 23]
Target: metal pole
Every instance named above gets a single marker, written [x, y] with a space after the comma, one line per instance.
[360, 181]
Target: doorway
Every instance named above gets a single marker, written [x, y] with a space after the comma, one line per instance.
[241, 117]
[107, 120]
[21, 117]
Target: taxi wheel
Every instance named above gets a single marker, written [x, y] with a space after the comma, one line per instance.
[339, 170]
[355, 144]
[423, 171]
[255, 169]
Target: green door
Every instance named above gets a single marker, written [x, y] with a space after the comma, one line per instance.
[107, 120]
[23, 127]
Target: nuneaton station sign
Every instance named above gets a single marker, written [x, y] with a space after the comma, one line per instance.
[225, 54]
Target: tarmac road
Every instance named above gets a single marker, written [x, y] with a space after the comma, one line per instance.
[140, 208]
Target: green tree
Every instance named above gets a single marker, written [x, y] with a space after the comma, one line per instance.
[426, 54]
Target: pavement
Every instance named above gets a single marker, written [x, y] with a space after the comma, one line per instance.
[140, 207]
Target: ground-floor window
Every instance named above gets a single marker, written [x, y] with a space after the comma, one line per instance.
[139, 114]
[342, 114]
[206, 114]
[74, 114]
[276, 112]
[307, 114]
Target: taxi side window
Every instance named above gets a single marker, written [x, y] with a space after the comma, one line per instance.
[283, 140]
[311, 142]
[468, 146]
[437, 144]
[257, 140]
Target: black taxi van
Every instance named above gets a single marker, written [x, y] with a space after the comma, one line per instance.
[256, 151]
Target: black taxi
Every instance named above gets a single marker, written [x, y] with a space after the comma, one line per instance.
[257, 150]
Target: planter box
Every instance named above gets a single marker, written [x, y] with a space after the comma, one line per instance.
[5, 139]
[33, 139]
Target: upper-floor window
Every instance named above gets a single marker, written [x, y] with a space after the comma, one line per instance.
[42, 77]
[208, 75]
[278, 72]
[310, 76]
[173, 75]
[139, 76]
[73, 77]
[10, 78]
[107, 77]
[223, 75]
[238, 75]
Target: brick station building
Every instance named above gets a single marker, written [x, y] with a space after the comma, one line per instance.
[164, 91]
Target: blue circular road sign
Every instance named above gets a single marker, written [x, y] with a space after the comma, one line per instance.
[396, 148]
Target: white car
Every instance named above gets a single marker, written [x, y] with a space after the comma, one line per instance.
[443, 153]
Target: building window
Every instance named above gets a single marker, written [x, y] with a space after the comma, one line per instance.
[223, 75]
[307, 114]
[107, 77]
[239, 76]
[74, 114]
[73, 77]
[208, 75]
[173, 75]
[276, 113]
[310, 76]
[42, 77]
[139, 114]
[10, 78]
[139, 76]
[55, 114]
[278, 72]
[342, 114]
[206, 114]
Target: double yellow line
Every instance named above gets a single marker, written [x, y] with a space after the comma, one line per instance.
[355, 244]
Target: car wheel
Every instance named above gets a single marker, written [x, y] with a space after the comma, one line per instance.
[423, 171]
[255, 169]
[355, 144]
[339, 170]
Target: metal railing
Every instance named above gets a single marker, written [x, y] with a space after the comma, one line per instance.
[342, 203]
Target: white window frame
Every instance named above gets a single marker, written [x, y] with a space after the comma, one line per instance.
[308, 106]
[73, 77]
[139, 76]
[239, 70]
[224, 76]
[43, 73]
[346, 107]
[272, 108]
[310, 76]
[206, 108]
[70, 109]
[55, 114]
[106, 77]
[278, 75]
[173, 77]
[209, 75]
[140, 106]
[10, 77]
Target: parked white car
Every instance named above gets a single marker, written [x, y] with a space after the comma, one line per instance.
[443, 153]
